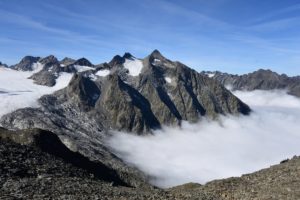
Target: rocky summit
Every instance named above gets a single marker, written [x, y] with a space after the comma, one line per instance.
[261, 79]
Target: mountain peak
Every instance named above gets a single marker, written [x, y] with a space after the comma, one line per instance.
[67, 61]
[26, 63]
[127, 56]
[156, 54]
[48, 59]
[117, 60]
[83, 62]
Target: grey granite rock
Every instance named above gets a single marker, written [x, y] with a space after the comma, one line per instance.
[44, 77]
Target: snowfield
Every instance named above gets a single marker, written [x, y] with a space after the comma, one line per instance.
[17, 91]
[134, 66]
[80, 68]
[103, 72]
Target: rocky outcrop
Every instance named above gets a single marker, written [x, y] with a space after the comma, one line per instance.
[44, 77]
[261, 79]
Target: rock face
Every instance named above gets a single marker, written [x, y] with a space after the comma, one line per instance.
[261, 79]
[134, 96]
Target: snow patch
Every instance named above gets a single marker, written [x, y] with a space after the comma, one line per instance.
[103, 72]
[36, 67]
[134, 66]
[93, 77]
[168, 79]
[80, 68]
[156, 62]
[210, 75]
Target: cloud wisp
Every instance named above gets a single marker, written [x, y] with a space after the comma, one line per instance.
[212, 150]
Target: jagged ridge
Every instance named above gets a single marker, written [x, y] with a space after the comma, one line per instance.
[260, 79]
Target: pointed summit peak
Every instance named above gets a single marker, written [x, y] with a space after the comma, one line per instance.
[117, 60]
[156, 54]
[83, 62]
[48, 59]
[128, 56]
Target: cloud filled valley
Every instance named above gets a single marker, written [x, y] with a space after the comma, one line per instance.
[212, 150]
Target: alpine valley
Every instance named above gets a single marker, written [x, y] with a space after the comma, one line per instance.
[57, 116]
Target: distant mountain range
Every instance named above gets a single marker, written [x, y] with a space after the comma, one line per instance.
[261, 79]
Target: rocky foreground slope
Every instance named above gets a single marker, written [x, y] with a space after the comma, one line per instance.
[34, 164]
[261, 79]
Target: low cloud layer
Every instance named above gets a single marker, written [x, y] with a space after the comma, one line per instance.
[212, 150]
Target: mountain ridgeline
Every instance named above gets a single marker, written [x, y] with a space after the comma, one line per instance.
[126, 94]
[258, 80]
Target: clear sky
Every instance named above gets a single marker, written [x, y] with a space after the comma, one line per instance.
[236, 36]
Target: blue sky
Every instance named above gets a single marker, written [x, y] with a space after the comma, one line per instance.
[229, 35]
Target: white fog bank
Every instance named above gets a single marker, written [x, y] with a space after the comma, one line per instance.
[212, 150]
[17, 91]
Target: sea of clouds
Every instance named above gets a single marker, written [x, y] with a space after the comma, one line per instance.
[210, 150]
